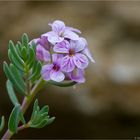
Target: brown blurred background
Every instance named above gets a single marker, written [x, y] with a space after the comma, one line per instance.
[108, 104]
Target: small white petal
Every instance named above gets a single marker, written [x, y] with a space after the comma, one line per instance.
[70, 35]
[57, 76]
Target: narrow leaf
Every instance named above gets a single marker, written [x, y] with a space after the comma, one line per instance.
[15, 53]
[11, 77]
[14, 119]
[34, 117]
[34, 109]
[17, 75]
[31, 55]
[44, 109]
[41, 124]
[11, 92]
[24, 53]
[39, 117]
[18, 48]
[31, 64]
[36, 70]
[14, 61]
[25, 40]
[50, 120]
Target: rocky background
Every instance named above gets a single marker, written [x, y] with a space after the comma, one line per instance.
[108, 104]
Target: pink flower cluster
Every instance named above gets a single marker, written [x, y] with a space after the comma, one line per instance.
[65, 54]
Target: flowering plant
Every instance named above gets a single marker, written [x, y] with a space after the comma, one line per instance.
[58, 57]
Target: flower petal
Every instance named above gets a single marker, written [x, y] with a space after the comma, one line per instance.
[77, 75]
[77, 45]
[73, 29]
[45, 72]
[48, 34]
[88, 54]
[67, 64]
[43, 41]
[80, 60]
[57, 76]
[70, 35]
[42, 54]
[58, 26]
[53, 37]
[62, 47]
[56, 58]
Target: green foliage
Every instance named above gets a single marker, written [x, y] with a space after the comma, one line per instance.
[18, 76]
[23, 66]
[11, 76]
[11, 92]
[25, 40]
[22, 74]
[36, 68]
[15, 116]
[2, 122]
[40, 117]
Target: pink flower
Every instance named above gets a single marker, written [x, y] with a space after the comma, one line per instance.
[53, 71]
[60, 32]
[66, 55]
[73, 56]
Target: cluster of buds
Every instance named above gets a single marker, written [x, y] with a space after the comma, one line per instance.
[64, 54]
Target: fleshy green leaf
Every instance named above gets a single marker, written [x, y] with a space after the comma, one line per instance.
[34, 109]
[31, 55]
[40, 118]
[41, 124]
[15, 116]
[2, 123]
[11, 92]
[12, 78]
[15, 62]
[50, 120]
[25, 40]
[14, 53]
[17, 75]
[36, 71]
[24, 53]
[14, 119]
[44, 109]
[18, 48]
[19, 45]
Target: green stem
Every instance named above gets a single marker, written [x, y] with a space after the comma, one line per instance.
[25, 104]
[27, 100]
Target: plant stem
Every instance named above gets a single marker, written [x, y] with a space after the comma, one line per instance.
[25, 104]
[27, 100]
[9, 134]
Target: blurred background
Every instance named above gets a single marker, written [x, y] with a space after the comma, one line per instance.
[108, 104]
